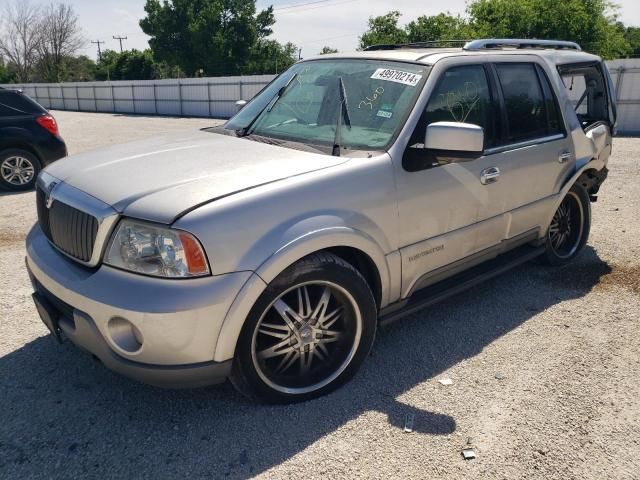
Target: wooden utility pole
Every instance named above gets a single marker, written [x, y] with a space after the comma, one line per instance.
[120, 38]
[98, 42]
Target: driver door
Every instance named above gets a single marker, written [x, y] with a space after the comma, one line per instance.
[446, 212]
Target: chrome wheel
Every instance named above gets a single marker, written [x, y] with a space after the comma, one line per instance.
[17, 170]
[306, 337]
[565, 231]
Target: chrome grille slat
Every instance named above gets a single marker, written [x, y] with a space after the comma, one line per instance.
[71, 230]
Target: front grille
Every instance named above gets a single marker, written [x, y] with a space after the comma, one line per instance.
[71, 230]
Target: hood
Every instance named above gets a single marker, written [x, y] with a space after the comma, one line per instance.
[159, 178]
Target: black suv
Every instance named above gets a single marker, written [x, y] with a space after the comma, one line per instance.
[29, 140]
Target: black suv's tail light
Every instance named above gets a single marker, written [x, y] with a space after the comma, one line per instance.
[49, 123]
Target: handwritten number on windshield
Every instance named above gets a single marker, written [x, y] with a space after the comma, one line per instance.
[376, 93]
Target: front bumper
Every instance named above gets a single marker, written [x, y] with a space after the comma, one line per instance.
[159, 331]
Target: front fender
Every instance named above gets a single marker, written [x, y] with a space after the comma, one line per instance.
[287, 255]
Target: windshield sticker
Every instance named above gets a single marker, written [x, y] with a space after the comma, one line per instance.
[374, 96]
[398, 76]
[383, 114]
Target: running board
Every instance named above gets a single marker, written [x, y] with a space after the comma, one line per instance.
[458, 283]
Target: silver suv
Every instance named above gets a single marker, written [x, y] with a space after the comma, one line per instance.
[352, 190]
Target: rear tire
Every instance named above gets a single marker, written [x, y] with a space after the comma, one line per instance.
[307, 334]
[18, 170]
[569, 230]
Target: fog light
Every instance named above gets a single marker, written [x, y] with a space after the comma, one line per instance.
[125, 334]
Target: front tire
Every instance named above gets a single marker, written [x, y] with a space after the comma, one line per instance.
[307, 334]
[569, 229]
[18, 170]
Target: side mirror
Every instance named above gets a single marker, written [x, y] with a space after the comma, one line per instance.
[240, 105]
[454, 141]
[445, 142]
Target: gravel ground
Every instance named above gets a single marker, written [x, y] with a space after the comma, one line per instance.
[545, 365]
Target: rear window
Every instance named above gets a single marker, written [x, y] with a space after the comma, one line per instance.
[524, 101]
[16, 103]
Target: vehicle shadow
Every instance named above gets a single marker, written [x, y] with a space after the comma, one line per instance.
[64, 415]
[10, 193]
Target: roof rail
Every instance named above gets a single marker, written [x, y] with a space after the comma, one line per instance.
[521, 43]
[430, 44]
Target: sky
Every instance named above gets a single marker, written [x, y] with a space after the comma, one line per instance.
[310, 24]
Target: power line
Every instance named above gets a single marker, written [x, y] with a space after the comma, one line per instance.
[98, 42]
[313, 6]
[287, 7]
[120, 38]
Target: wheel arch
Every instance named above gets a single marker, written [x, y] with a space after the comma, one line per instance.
[349, 244]
[21, 145]
[594, 165]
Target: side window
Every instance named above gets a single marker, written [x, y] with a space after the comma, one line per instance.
[523, 100]
[6, 111]
[587, 91]
[554, 119]
[462, 95]
[20, 103]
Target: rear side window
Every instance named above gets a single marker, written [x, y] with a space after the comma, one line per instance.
[554, 120]
[587, 91]
[523, 100]
[463, 95]
[20, 103]
[6, 111]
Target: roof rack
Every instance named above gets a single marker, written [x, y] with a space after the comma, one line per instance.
[521, 43]
[430, 44]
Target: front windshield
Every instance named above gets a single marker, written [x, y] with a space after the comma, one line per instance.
[379, 96]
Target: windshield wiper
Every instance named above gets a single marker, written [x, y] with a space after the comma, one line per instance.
[267, 108]
[343, 115]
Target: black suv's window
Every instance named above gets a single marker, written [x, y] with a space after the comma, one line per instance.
[18, 103]
[524, 101]
[462, 95]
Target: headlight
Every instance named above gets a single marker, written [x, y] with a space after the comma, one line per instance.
[156, 250]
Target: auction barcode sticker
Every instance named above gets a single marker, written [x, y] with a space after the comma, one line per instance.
[398, 76]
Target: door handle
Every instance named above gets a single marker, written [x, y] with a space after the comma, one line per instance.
[489, 175]
[564, 157]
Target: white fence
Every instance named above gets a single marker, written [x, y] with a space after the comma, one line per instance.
[197, 97]
[215, 96]
[626, 78]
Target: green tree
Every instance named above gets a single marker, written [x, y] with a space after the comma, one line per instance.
[133, 65]
[269, 56]
[79, 69]
[591, 23]
[443, 26]
[326, 50]
[218, 36]
[384, 30]
[632, 36]
[4, 73]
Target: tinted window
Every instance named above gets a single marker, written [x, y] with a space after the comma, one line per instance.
[463, 95]
[524, 103]
[19, 102]
[554, 119]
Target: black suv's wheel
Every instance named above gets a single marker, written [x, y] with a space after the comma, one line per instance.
[307, 334]
[569, 229]
[18, 169]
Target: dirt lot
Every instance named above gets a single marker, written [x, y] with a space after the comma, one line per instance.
[545, 365]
